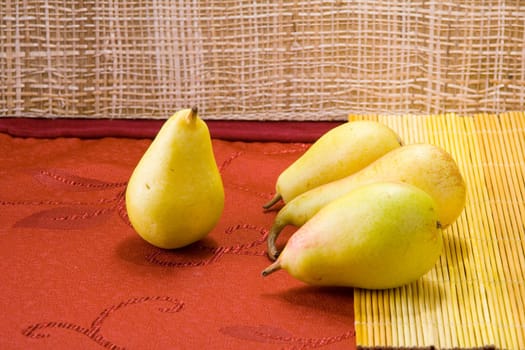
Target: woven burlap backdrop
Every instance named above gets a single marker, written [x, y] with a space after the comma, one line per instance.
[260, 60]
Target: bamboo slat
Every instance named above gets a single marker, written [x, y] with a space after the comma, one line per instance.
[475, 295]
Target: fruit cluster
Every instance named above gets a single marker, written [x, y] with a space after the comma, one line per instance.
[370, 210]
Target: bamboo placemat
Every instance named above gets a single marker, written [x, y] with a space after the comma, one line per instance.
[475, 296]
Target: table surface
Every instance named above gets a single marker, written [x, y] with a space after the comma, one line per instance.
[76, 275]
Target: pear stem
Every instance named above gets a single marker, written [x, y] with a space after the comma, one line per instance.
[272, 201]
[192, 114]
[276, 229]
[272, 268]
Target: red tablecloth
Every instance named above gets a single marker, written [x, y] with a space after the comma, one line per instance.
[76, 275]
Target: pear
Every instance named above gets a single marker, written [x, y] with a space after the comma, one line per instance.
[381, 235]
[175, 195]
[426, 166]
[339, 152]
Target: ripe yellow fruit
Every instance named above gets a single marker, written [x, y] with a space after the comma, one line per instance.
[340, 152]
[175, 195]
[381, 235]
[426, 166]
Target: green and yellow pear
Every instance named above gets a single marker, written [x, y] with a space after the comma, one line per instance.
[426, 166]
[175, 195]
[339, 152]
[381, 235]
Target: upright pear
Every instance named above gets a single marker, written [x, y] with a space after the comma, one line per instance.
[175, 195]
[339, 152]
[381, 235]
[426, 166]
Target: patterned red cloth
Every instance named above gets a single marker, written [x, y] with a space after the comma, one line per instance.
[76, 275]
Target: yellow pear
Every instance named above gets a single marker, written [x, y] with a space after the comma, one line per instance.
[381, 235]
[426, 166]
[339, 152]
[175, 195]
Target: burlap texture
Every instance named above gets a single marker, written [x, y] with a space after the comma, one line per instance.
[260, 60]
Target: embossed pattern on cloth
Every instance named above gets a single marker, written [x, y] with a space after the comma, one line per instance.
[76, 275]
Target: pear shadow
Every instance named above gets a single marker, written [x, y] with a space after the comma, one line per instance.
[333, 300]
[425, 293]
[137, 251]
[424, 296]
[456, 249]
[133, 249]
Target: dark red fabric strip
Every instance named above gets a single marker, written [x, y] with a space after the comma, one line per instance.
[263, 131]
